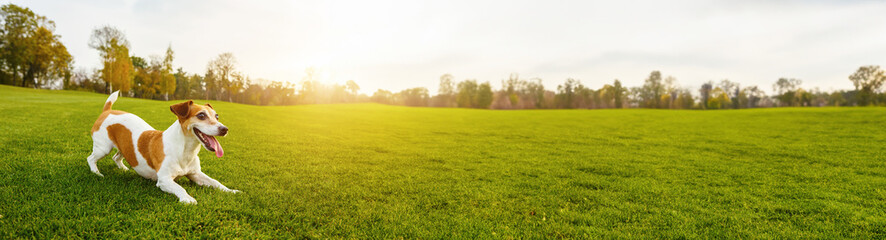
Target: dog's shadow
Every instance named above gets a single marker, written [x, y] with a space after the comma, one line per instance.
[123, 184]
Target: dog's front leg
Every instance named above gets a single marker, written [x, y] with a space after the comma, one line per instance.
[167, 184]
[203, 180]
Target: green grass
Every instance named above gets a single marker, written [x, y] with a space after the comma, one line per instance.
[369, 170]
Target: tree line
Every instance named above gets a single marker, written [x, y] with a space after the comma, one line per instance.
[31, 55]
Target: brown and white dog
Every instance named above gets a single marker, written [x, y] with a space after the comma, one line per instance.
[160, 156]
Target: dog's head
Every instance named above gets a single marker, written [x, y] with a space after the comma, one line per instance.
[201, 122]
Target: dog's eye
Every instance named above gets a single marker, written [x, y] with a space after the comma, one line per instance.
[201, 116]
[216, 116]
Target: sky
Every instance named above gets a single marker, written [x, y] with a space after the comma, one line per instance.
[396, 45]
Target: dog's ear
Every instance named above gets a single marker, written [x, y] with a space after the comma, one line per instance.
[181, 109]
[210, 106]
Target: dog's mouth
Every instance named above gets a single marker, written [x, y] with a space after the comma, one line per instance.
[209, 142]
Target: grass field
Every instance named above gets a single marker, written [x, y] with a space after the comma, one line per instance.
[369, 170]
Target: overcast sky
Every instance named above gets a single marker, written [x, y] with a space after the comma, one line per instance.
[401, 44]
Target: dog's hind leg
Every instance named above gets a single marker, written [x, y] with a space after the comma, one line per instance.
[118, 158]
[98, 152]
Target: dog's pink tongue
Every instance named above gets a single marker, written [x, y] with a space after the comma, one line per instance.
[217, 146]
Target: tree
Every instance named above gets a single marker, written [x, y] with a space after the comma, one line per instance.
[534, 90]
[705, 93]
[278, 93]
[719, 99]
[511, 86]
[445, 92]
[467, 94]
[836, 99]
[585, 97]
[566, 93]
[167, 83]
[383, 97]
[618, 93]
[353, 88]
[732, 90]
[520, 94]
[484, 95]
[750, 97]
[867, 81]
[634, 96]
[652, 90]
[416, 97]
[30, 48]
[235, 87]
[114, 51]
[142, 84]
[253, 93]
[786, 91]
[223, 69]
[211, 85]
[671, 92]
[47, 58]
[188, 86]
[18, 24]
[684, 99]
[447, 87]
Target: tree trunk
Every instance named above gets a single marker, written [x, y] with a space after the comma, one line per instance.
[30, 77]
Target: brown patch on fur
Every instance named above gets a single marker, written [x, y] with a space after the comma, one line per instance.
[150, 145]
[182, 110]
[107, 106]
[122, 138]
[185, 118]
[101, 118]
[195, 109]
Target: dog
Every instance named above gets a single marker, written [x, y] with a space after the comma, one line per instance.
[160, 156]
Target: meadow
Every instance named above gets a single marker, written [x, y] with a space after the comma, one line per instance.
[377, 171]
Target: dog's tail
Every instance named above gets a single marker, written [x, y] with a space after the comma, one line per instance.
[110, 101]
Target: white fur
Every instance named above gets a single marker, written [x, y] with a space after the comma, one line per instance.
[113, 97]
[179, 148]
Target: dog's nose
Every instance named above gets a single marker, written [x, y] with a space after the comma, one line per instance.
[222, 131]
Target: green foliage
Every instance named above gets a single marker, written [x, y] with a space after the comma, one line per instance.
[705, 94]
[618, 93]
[868, 80]
[416, 97]
[786, 90]
[836, 99]
[751, 97]
[113, 47]
[473, 95]
[188, 86]
[520, 93]
[31, 54]
[650, 96]
[445, 93]
[167, 82]
[566, 93]
[382, 96]
[362, 171]
[467, 94]
[484, 95]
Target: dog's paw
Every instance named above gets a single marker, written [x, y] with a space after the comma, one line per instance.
[99, 174]
[232, 191]
[188, 200]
